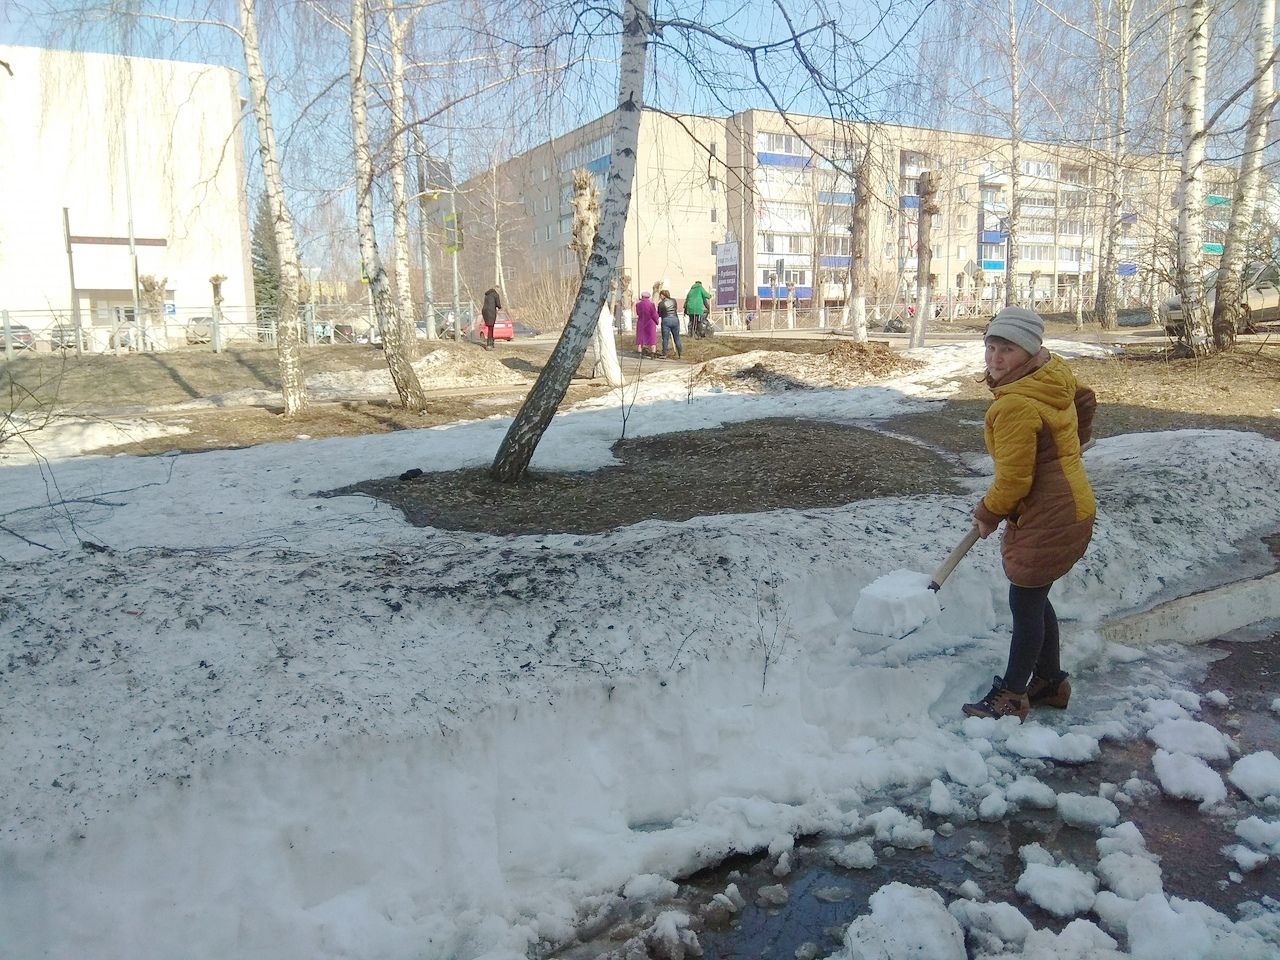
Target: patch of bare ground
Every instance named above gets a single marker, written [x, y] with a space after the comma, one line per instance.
[847, 364]
[772, 464]
[740, 468]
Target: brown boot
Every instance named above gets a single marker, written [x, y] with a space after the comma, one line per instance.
[999, 703]
[1053, 691]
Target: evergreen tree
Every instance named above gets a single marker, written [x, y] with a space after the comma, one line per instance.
[266, 261]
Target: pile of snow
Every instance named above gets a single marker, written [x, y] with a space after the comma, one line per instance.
[905, 922]
[1257, 775]
[29, 439]
[442, 368]
[376, 740]
[1187, 777]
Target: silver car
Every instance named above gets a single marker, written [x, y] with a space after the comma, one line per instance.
[1261, 300]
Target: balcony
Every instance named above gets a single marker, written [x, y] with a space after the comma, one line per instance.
[909, 201]
[782, 160]
[992, 265]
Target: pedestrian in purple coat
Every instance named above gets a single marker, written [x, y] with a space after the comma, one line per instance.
[647, 326]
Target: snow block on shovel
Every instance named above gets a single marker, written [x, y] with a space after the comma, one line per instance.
[896, 604]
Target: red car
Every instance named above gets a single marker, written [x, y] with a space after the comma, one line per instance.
[503, 329]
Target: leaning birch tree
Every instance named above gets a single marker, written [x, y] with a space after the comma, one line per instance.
[288, 330]
[534, 416]
[1191, 210]
[1230, 286]
[384, 301]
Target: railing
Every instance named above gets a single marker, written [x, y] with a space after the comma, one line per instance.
[118, 332]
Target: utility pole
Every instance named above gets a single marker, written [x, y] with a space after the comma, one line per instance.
[71, 270]
[457, 235]
[424, 247]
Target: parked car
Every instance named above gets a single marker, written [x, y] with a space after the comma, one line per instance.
[503, 328]
[1261, 300]
[62, 336]
[20, 337]
[200, 330]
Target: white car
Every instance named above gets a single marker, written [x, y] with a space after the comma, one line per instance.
[1261, 300]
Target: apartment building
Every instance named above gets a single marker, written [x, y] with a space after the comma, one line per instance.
[781, 190]
[114, 158]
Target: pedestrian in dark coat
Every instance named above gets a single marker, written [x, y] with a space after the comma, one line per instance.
[669, 314]
[489, 314]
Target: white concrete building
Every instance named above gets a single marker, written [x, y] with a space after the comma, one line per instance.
[123, 145]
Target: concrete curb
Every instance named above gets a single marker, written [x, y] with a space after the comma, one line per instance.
[1200, 616]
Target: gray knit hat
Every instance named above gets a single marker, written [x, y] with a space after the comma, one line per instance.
[1018, 325]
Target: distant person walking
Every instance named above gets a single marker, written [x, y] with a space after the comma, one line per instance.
[489, 314]
[695, 307]
[669, 314]
[647, 326]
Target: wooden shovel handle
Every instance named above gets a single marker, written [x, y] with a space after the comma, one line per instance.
[944, 570]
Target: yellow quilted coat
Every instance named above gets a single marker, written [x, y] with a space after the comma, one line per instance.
[1034, 430]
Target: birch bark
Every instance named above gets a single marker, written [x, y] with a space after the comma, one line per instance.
[1191, 211]
[1228, 302]
[534, 416]
[288, 331]
[384, 302]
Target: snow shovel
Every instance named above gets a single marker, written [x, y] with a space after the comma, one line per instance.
[944, 569]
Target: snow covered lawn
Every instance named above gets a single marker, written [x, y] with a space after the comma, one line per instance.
[259, 724]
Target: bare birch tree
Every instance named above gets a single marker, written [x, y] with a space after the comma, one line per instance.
[1118, 59]
[544, 398]
[1191, 210]
[384, 302]
[1230, 283]
[288, 330]
[398, 29]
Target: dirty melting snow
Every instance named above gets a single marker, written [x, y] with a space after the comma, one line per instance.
[262, 725]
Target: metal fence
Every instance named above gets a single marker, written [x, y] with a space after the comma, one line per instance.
[118, 331]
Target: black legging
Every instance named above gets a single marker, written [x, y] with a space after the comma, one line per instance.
[1034, 646]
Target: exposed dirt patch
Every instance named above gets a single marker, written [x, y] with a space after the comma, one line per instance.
[847, 364]
[745, 467]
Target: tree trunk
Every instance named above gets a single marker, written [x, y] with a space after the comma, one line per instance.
[1015, 159]
[1230, 285]
[288, 334]
[424, 246]
[858, 244]
[604, 350]
[928, 191]
[1105, 305]
[384, 302]
[1191, 211]
[534, 416]
[399, 198]
[1158, 230]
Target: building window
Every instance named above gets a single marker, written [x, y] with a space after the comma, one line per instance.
[713, 185]
[546, 204]
[962, 221]
[962, 252]
[714, 215]
[547, 232]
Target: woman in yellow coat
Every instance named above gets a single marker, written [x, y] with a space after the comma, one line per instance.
[1034, 430]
